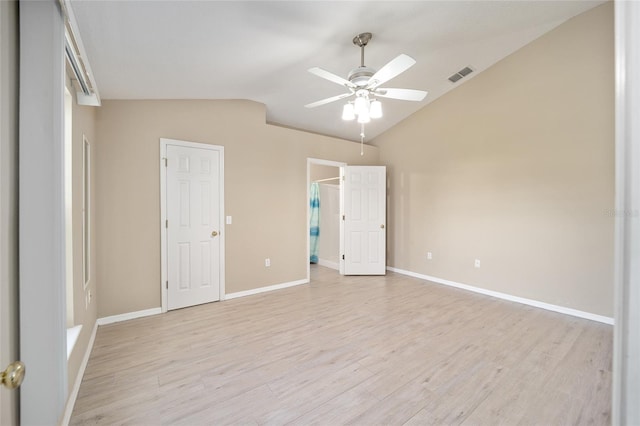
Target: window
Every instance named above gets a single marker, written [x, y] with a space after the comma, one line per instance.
[86, 203]
[68, 204]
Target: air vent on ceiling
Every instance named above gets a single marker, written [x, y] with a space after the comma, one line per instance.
[460, 74]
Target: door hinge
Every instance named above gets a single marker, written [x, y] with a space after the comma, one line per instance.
[165, 161]
[342, 217]
[167, 285]
[166, 223]
[343, 257]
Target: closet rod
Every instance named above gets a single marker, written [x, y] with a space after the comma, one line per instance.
[323, 180]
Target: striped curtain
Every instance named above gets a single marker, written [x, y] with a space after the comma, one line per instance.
[314, 222]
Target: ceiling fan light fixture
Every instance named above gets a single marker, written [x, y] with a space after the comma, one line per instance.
[364, 117]
[363, 83]
[361, 104]
[348, 113]
[375, 110]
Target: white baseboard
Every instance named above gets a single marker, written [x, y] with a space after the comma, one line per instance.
[329, 264]
[73, 395]
[505, 296]
[128, 316]
[265, 289]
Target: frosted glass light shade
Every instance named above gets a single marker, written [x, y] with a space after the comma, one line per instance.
[376, 109]
[364, 117]
[347, 112]
[361, 105]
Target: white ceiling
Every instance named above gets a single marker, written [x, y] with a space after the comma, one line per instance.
[261, 50]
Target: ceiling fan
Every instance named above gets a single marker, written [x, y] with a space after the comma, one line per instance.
[364, 83]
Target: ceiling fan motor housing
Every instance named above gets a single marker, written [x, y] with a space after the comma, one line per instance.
[360, 76]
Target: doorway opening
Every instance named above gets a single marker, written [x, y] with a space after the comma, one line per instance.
[325, 175]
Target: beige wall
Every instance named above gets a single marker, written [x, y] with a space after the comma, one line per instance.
[83, 124]
[319, 171]
[265, 193]
[516, 168]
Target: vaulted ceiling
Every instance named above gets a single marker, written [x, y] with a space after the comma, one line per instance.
[261, 50]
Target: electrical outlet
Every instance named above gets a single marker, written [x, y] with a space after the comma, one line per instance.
[229, 220]
[477, 263]
[267, 262]
[429, 255]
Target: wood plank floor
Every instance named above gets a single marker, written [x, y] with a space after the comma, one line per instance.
[351, 350]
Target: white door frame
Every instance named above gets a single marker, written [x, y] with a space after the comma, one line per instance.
[626, 343]
[43, 333]
[163, 213]
[9, 59]
[320, 162]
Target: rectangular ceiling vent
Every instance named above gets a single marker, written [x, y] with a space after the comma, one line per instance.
[460, 74]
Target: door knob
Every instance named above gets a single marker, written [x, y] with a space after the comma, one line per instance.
[214, 233]
[13, 375]
[382, 226]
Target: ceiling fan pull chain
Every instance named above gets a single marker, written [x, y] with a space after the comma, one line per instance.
[362, 139]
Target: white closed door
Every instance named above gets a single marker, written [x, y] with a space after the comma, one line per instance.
[193, 226]
[364, 224]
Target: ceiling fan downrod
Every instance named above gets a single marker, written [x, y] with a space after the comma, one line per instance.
[361, 40]
[360, 76]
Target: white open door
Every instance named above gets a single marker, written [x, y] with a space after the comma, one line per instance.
[9, 338]
[193, 223]
[364, 220]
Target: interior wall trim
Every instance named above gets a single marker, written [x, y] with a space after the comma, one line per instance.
[73, 395]
[509, 297]
[626, 334]
[265, 289]
[155, 311]
[128, 316]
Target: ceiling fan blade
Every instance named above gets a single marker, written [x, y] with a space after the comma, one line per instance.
[331, 77]
[328, 100]
[403, 94]
[396, 66]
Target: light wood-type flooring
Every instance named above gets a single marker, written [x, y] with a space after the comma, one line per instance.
[351, 350]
